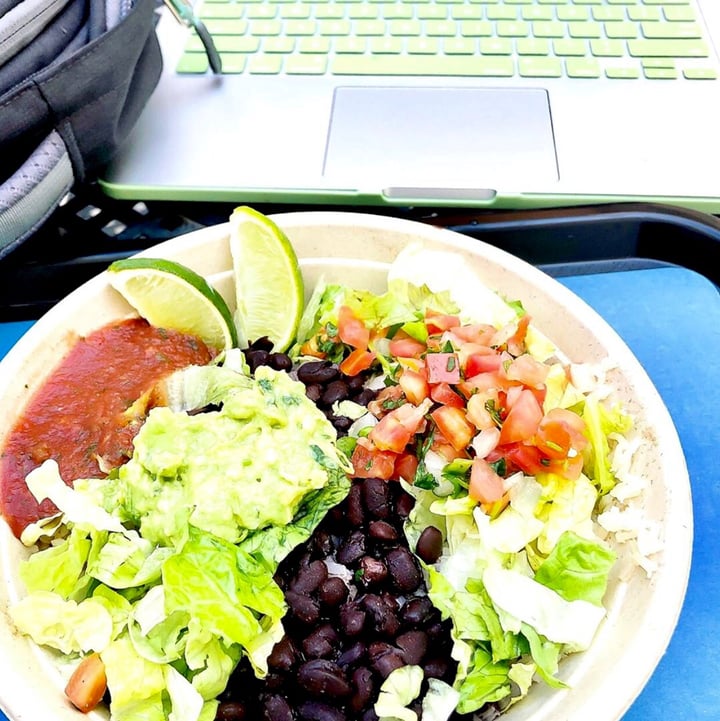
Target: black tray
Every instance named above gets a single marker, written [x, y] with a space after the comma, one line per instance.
[91, 230]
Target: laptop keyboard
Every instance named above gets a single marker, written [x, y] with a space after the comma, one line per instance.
[613, 39]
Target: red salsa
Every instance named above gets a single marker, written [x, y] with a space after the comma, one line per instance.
[81, 412]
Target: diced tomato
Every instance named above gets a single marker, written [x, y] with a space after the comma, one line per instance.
[559, 433]
[444, 394]
[406, 347]
[405, 467]
[523, 457]
[527, 370]
[481, 382]
[351, 329]
[477, 409]
[88, 683]
[453, 424]
[476, 333]
[395, 430]
[486, 486]
[414, 385]
[482, 363]
[442, 367]
[369, 462]
[442, 446]
[523, 418]
[440, 322]
[385, 401]
[358, 361]
[512, 336]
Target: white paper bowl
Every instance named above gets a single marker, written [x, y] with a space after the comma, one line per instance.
[356, 249]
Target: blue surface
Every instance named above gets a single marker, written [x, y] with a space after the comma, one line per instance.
[670, 318]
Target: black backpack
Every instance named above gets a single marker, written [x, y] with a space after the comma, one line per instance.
[74, 77]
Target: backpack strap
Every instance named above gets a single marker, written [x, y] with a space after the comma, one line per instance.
[33, 192]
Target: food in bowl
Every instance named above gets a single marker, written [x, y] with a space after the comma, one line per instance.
[499, 511]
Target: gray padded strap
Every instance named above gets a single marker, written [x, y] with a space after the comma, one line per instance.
[21, 25]
[34, 191]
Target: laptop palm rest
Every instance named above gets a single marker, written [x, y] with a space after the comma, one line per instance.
[457, 139]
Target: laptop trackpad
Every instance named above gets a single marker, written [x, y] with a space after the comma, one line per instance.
[432, 137]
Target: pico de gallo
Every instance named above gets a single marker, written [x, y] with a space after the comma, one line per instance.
[483, 424]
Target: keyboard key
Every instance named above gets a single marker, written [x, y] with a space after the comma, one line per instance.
[476, 28]
[423, 65]
[300, 27]
[541, 29]
[660, 73]
[338, 28]
[396, 11]
[538, 12]
[366, 12]
[495, 46]
[226, 26]
[404, 28]
[265, 64]
[330, 11]
[677, 13]
[700, 74]
[369, 27]
[386, 46]
[278, 45]
[622, 73]
[440, 28]
[466, 12]
[427, 46]
[582, 68]
[502, 12]
[573, 13]
[668, 48]
[307, 64]
[530, 67]
[584, 30]
[607, 48]
[221, 10]
[267, 12]
[314, 45]
[266, 27]
[623, 31]
[532, 46]
[193, 64]
[569, 47]
[436, 12]
[233, 63]
[350, 45]
[299, 11]
[510, 29]
[639, 14]
[459, 46]
[608, 13]
[671, 30]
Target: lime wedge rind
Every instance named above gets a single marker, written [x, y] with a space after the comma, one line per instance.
[170, 295]
[269, 285]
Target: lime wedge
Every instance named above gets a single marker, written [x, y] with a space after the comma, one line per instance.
[170, 295]
[269, 285]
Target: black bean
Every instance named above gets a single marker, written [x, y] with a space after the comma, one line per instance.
[352, 549]
[382, 531]
[362, 681]
[309, 577]
[303, 608]
[333, 591]
[404, 570]
[313, 392]
[256, 358]
[319, 711]
[352, 618]
[384, 658]
[352, 654]
[280, 362]
[384, 618]
[417, 611]
[430, 544]
[322, 542]
[321, 643]
[323, 678]
[372, 571]
[276, 708]
[317, 372]
[404, 503]
[262, 343]
[341, 423]
[364, 397]
[437, 668]
[355, 510]
[370, 715]
[355, 383]
[413, 645]
[334, 392]
[376, 496]
[284, 654]
[231, 711]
